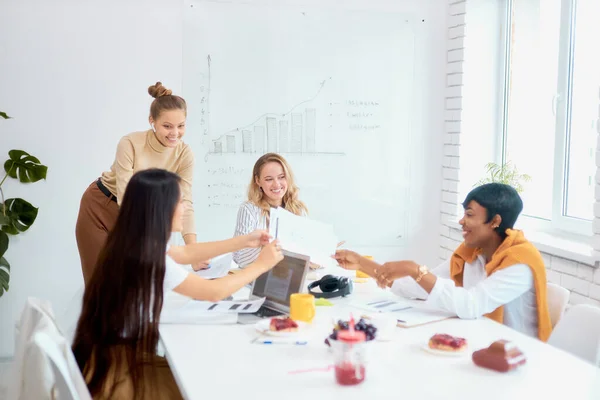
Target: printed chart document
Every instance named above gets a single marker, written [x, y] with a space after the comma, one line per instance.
[179, 309]
[408, 313]
[303, 235]
[218, 267]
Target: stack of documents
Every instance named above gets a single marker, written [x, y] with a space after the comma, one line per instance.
[303, 235]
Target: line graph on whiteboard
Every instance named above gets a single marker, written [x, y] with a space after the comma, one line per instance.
[294, 130]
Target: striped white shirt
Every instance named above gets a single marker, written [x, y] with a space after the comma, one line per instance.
[250, 217]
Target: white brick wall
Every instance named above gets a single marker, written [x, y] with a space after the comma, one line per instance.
[582, 280]
[451, 163]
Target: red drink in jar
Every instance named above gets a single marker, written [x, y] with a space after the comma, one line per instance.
[349, 374]
[349, 356]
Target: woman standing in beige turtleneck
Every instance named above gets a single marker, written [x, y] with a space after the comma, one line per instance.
[159, 147]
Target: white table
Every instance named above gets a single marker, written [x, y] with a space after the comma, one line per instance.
[218, 361]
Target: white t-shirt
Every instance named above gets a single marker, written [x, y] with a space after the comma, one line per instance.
[175, 274]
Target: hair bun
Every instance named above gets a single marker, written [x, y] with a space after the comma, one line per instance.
[159, 90]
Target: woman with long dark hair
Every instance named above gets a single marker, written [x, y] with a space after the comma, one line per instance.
[117, 333]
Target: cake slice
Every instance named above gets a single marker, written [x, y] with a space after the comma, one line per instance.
[445, 342]
[285, 324]
[501, 356]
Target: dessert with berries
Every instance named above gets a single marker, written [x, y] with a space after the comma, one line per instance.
[445, 342]
[285, 324]
[362, 326]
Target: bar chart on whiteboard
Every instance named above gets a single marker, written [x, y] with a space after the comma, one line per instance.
[329, 90]
[292, 132]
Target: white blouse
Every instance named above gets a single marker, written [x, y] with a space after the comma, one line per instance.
[512, 287]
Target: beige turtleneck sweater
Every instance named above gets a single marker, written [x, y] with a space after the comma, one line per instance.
[142, 150]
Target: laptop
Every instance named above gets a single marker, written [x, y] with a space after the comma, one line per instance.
[276, 286]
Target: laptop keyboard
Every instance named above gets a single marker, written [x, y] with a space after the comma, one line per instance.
[265, 312]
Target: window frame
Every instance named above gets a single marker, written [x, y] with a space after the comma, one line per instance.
[561, 105]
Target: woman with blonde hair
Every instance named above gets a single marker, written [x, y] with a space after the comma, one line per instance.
[272, 185]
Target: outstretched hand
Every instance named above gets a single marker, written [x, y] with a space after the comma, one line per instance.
[390, 271]
[270, 254]
[201, 265]
[347, 259]
[258, 238]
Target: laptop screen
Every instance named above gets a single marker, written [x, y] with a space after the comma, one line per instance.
[283, 280]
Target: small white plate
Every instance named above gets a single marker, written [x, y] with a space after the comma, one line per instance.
[436, 352]
[264, 326]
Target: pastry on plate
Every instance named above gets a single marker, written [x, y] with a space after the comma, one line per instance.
[285, 324]
[445, 342]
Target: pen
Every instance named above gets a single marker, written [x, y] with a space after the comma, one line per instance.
[295, 342]
[401, 309]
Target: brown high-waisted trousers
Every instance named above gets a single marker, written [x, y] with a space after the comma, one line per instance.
[97, 216]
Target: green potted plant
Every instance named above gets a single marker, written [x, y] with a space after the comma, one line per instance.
[506, 173]
[16, 214]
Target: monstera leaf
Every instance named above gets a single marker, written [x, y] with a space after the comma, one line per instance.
[19, 216]
[4, 275]
[3, 243]
[27, 167]
[4, 265]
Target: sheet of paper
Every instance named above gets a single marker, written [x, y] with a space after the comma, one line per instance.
[418, 316]
[303, 235]
[179, 309]
[229, 306]
[386, 305]
[218, 267]
[407, 313]
[187, 316]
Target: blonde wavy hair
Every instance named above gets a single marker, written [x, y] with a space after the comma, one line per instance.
[290, 198]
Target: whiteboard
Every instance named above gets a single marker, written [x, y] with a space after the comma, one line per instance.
[330, 90]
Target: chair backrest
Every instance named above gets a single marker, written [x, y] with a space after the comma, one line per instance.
[69, 382]
[558, 298]
[33, 375]
[578, 332]
[37, 313]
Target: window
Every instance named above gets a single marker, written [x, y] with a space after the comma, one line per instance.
[551, 102]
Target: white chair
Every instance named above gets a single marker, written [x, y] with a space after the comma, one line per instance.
[578, 332]
[36, 312]
[32, 375]
[69, 382]
[558, 298]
